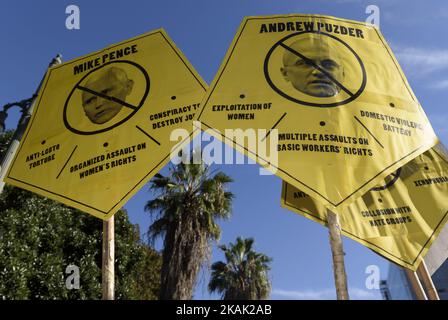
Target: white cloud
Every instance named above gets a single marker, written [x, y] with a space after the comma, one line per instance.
[426, 64]
[441, 85]
[304, 295]
[325, 294]
[422, 60]
[363, 294]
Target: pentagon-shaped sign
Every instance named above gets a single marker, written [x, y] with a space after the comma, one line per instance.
[398, 219]
[101, 124]
[345, 114]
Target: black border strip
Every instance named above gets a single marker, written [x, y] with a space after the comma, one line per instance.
[228, 56]
[222, 71]
[193, 72]
[131, 40]
[356, 118]
[34, 114]
[302, 183]
[57, 194]
[317, 67]
[436, 229]
[88, 206]
[155, 167]
[103, 50]
[273, 127]
[37, 108]
[293, 16]
[106, 97]
[397, 66]
[70, 156]
[148, 135]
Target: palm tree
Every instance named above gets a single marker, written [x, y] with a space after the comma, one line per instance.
[189, 201]
[245, 274]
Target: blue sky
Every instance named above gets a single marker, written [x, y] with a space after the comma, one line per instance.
[33, 32]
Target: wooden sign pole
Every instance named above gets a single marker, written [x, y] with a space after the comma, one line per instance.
[108, 267]
[416, 285]
[340, 277]
[425, 277]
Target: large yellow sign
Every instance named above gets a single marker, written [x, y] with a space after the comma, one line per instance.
[400, 218]
[345, 114]
[101, 126]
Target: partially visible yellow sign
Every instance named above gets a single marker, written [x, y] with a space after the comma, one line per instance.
[400, 218]
[345, 113]
[101, 126]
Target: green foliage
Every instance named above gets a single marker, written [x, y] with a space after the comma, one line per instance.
[39, 238]
[244, 275]
[5, 138]
[188, 202]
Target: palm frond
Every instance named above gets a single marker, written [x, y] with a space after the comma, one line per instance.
[244, 275]
[186, 206]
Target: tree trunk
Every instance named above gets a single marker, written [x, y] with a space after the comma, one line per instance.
[184, 251]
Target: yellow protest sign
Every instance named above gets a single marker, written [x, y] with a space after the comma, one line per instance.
[399, 218]
[101, 125]
[345, 113]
